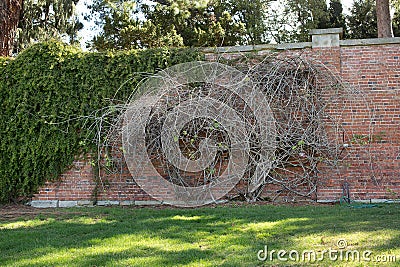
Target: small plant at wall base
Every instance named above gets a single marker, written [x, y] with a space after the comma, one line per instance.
[49, 96]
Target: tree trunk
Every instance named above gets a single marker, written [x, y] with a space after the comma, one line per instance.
[383, 19]
[10, 11]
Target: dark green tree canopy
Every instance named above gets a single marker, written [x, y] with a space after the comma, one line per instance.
[132, 24]
[47, 19]
[336, 16]
[139, 24]
[362, 20]
[308, 14]
[23, 22]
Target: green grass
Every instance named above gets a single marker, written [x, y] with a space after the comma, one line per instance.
[209, 236]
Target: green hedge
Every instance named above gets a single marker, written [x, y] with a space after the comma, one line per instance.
[51, 83]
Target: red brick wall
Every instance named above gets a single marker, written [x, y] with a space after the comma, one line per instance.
[375, 71]
[75, 184]
[371, 169]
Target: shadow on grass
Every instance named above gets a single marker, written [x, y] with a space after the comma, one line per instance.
[222, 236]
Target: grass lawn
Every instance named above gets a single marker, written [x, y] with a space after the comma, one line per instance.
[209, 236]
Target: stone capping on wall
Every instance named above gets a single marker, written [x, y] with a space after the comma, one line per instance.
[88, 203]
[326, 37]
[250, 48]
[372, 41]
[321, 38]
[141, 203]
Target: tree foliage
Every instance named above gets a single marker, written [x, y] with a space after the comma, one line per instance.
[123, 29]
[336, 16]
[138, 24]
[309, 14]
[23, 22]
[362, 20]
[48, 19]
[299, 16]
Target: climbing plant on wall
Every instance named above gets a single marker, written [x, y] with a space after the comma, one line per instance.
[48, 95]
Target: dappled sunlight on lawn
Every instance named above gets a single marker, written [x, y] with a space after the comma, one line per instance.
[47, 221]
[265, 226]
[26, 224]
[89, 221]
[222, 236]
[110, 250]
[186, 218]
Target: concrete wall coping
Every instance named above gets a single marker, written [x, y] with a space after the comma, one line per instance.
[254, 48]
[70, 204]
[289, 46]
[326, 31]
[87, 203]
[372, 41]
[240, 48]
[302, 45]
